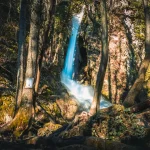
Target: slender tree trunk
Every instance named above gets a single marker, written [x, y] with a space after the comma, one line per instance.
[44, 37]
[109, 81]
[147, 41]
[138, 84]
[104, 59]
[21, 47]
[32, 52]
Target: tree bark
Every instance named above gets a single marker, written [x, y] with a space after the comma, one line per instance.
[21, 47]
[138, 84]
[140, 107]
[109, 80]
[104, 59]
[44, 37]
[24, 115]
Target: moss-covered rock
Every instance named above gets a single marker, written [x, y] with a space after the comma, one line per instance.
[7, 107]
[48, 129]
[49, 107]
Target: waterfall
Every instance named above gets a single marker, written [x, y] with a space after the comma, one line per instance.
[83, 94]
[69, 66]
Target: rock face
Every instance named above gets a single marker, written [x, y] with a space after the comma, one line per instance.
[126, 53]
[68, 107]
[126, 48]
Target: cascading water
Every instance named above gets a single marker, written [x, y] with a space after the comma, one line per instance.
[83, 94]
[69, 66]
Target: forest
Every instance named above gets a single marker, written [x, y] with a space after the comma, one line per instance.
[75, 74]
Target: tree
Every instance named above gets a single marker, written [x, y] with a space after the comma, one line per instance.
[21, 47]
[47, 23]
[138, 84]
[104, 59]
[24, 115]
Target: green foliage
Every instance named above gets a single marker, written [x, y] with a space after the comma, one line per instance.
[66, 10]
[62, 11]
[76, 6]
[117, 124]
[138, 9]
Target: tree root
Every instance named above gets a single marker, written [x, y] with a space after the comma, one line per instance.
[140, 107]
[83, 117]
[49, 116]
[91, 143]
[20, 123]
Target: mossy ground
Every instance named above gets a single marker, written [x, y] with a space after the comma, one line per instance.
[7, 107]
[115, 124]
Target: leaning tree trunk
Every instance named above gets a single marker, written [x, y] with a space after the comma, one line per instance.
[21, 47]
[24, 115]
[138, 84]
[104, 59]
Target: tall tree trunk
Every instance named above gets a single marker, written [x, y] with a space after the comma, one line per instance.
[26, 107]
[24, 115]
[104, 59]
[47, 28]
[138, 84]
[21, 47]
[32, 52]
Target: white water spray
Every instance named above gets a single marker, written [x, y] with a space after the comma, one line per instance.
[83, 94]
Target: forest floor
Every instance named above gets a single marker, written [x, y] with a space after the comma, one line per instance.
[112, 128]
[61, 124]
